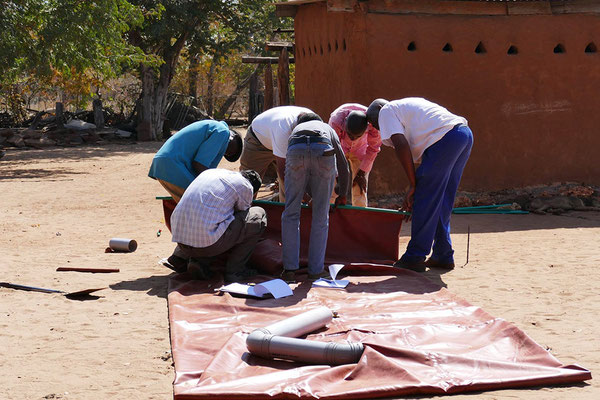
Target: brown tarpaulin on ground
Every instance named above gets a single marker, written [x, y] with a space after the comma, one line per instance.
[355, 235]
[419, 338]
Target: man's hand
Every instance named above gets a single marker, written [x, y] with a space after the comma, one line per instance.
[361, 181]
[407, 204]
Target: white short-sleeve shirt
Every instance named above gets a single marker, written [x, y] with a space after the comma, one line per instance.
[207, 206]
[274, 126]
[421, 121]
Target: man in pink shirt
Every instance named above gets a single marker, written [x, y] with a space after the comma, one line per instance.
[360, 142]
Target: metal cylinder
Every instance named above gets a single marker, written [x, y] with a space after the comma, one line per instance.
[264, 343]
[301, 324]
[121, 244]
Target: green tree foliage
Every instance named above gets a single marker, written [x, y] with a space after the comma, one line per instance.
[205, 27]
[45, 37]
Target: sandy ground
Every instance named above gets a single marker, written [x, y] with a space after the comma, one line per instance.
[60, 206]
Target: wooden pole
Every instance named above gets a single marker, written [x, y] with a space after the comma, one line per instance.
[268, 87]
[60, 116]
[283, 78]
[98, 115]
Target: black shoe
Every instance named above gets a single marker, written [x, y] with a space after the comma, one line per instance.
[287, 275]
[240, 275]
[418, 266]
[322, 274]
[175, 263]
[432, 263]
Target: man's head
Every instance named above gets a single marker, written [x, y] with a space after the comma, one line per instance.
[308, 116]
[234, 148]
[356, 124]
[373, 112]
[253, 177]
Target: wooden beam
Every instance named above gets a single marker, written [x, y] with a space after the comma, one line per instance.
[277, 46]
[576, 7]
[263, 60]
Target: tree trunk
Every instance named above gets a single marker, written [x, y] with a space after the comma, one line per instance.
[210, 87]
[193, 79]
[154, 92]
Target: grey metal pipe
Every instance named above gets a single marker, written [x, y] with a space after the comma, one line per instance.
[301, 324]
[264, 343]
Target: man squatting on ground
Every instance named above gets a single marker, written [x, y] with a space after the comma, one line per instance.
[215, 217]
[313, 152]
[420, 130]
[266, 141]
[195, 148]
[360, 142]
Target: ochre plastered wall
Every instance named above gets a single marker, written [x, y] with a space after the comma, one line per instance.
[535, 114]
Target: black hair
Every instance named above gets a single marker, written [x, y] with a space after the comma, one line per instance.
[356, 123]
[373, 112]
[253, 177]
[308, 116]
[235, 140]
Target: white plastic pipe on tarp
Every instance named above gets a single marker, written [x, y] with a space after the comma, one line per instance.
[279, 341]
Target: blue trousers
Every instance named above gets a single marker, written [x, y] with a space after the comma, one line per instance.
[438, 177]
[307, 170]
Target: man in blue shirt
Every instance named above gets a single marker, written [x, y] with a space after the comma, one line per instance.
[195, 148]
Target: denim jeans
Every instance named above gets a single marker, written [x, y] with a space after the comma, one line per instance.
[307, 170]
[438, 177]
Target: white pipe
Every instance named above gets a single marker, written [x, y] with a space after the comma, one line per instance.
[274, 341]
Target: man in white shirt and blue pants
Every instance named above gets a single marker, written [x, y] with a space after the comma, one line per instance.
[420, 130]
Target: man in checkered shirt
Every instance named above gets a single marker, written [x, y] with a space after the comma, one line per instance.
[214, 216]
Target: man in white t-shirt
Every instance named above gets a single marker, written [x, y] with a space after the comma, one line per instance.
[266, 141]
[425, 132]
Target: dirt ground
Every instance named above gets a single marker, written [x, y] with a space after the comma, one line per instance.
[60, 206]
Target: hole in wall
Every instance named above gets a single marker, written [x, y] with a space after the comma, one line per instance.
[591, 48]
[321, 48]
[303, 52]
[411, 46]
[309, 51]
[344, 45]
[329, 47]
[480, 49]
[559, 49]
[315, 49]
[336, 45]
[447, 48]
[512, 50]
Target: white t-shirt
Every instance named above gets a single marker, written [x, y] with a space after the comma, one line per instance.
[421, 122]
[274, 126]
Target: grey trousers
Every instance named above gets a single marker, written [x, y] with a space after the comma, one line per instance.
[238, 240]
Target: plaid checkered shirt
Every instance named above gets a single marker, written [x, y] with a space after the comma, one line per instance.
[208, 205]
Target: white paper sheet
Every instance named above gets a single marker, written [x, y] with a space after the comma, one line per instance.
[332, 283]
[276, 287]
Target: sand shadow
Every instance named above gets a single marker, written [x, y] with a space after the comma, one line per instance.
[155, 285]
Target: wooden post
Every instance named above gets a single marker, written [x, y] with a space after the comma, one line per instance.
[283, 78]
[60, 116]
[268, 87]
[253, 106]
[98, 115]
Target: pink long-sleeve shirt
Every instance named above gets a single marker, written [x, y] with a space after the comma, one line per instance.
[364, 148]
